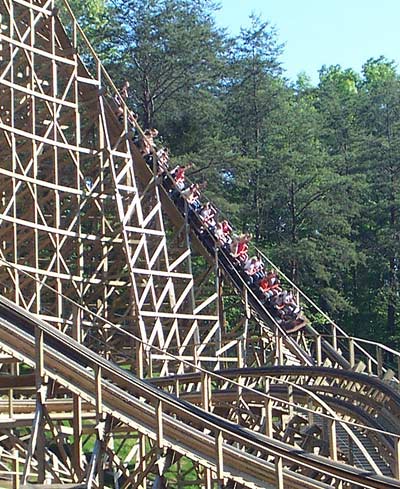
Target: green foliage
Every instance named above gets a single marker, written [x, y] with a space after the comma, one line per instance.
[379, 70]
[166, 48]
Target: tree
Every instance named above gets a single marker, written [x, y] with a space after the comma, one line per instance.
[337, 97]
[337, 101]
[307, 211]
[380, 115]
[165, 48]
[94, 17]
[250, 86]
[251, 90]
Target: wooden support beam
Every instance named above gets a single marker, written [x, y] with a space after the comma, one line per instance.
[36, 441]
[379, 359]
[16, 469]
[77, 403]
[351, 353]
[219, 439]
[93, 464]
[159, 419]
[279, 473]
[332, 439]
[32, 441]
[205, 390]
[318, 347]
[397, 457]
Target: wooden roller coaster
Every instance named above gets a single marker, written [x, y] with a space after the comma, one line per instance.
[116, 368]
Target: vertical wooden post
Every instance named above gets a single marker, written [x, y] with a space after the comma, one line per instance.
[379, 359]
[11, 394]
[13, 105]
[279, 472]
[334, 337]
[220, 283]
[139, 359]
[56, 164]
[268, 410]
[142, 458]
[77, 403]
[220, 304]
[291, 400]
[268, 417]
[15, 463]
[310, 406]
[150, 364]
[40, 399]
[246, 324]
[350, 452]
[160, 435]
[34, 154]
[398, 367]
[100, 425]
[39, 360]
[397, 457]
[240, 353]
[332, 439]
[318, 346]
[196, 335]
[351, 353]
[207, 478]
[220, 458]
[36, 441]
[205, 394]
[279, 350]
[98, 392]
[15, 468]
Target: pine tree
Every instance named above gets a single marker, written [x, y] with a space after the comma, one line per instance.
[380, 115]
[166, 48]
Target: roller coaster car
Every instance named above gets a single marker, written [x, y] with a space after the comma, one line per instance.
[293, 325]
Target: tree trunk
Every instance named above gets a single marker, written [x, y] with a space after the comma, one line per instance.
[293, 231]
[147, 104]
[393, 278]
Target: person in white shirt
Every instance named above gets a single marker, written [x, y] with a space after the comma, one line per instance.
[250, 269]
[207, 216]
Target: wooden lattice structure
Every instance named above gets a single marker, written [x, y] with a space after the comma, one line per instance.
[76, 222]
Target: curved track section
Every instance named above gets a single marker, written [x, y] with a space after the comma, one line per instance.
[232, 452]
[366, 407]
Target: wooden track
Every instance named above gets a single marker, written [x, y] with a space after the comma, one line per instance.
[171, 422]
[96, 283]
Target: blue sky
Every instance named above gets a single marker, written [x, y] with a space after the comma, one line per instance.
[317, 32]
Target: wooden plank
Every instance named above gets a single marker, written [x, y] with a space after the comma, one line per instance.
[37, 51]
